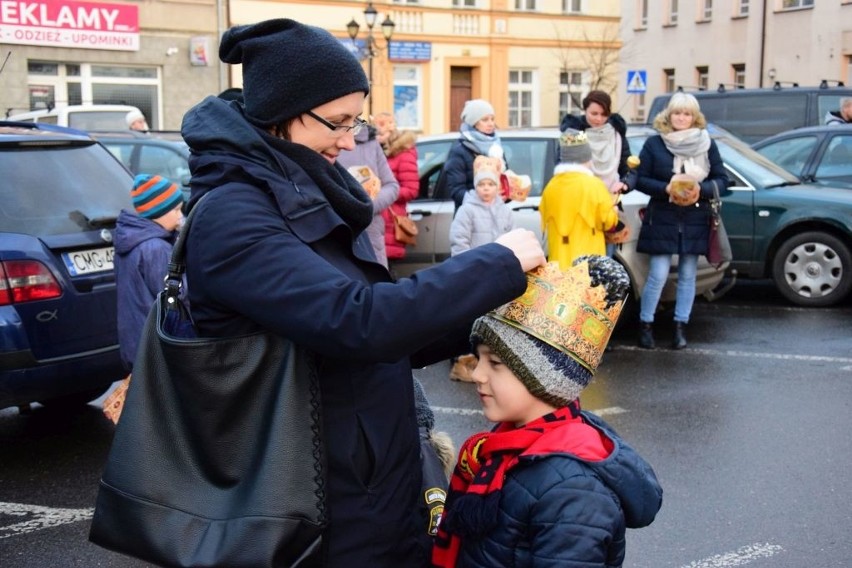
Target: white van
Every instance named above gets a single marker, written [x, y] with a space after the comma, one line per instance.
[81, 117]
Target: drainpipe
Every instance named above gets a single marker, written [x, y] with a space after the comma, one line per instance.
[762, 41]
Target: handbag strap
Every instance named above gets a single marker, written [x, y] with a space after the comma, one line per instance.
[716, 201]
[177, 264]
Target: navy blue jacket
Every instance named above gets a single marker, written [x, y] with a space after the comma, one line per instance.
[668, 228]
[456, 176]
[142, 252]
[558, 510]
[268, 251]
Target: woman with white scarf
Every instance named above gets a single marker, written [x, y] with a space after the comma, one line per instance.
[607, 136]
[477, 137]
[670, 226]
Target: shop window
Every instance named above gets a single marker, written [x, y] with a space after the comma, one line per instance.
[407, 99]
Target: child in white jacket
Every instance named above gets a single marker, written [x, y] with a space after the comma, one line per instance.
[483, 216]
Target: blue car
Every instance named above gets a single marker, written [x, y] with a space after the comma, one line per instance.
[60, 195]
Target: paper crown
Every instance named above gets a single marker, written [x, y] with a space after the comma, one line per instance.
[574, 310]
[573, 138]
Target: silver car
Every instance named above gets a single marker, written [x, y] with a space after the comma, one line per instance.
[532, 152]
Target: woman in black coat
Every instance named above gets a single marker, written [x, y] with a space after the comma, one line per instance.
[477, 137]
[607, 135]
[279, 244]
[683, 146]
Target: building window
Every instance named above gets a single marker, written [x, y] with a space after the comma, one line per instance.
[407, 100]
[742, 8]
[54, 84]
[669, 80]
[525, 5]
[642, 12]
[672, 12]
[572, 89]
[787, 4]
[706, 10]
[702, 78]
[572, 6]
[406, 1]
[521, 97]
[464, 3]
[739, 75]
[640, 107]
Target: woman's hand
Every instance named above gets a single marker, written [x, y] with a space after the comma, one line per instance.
[526, 247]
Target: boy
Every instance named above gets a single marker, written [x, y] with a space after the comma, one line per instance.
[143, 246]
[483, 216]
[550, 485]
[576, 207]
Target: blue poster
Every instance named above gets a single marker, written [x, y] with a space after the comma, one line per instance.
[405, 103]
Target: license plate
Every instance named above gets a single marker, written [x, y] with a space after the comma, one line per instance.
[89, 261]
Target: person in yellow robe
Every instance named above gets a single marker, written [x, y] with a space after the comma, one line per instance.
[576, 207]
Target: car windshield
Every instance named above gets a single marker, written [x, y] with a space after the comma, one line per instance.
[55, 189]
[754, 167]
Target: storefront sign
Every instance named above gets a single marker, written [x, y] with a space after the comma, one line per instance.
[410, 51]
[62, 23]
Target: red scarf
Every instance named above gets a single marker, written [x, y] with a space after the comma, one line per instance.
[484, 460]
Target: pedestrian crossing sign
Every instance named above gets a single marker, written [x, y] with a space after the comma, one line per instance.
[637, 81]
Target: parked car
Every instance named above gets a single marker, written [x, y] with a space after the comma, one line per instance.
[799, 235]
[81, 117]
[156, 152]
[532, 152]
[59, 200]
[820, 154]
[755, 114]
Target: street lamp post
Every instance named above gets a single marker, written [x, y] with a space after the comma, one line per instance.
[370, 16]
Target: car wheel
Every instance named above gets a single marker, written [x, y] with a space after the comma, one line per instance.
[75, 400]
[813, 269]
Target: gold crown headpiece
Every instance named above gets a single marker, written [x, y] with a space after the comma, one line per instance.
[573, 138]
[573, 311]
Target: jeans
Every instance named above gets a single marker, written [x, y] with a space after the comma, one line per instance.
[659, 271]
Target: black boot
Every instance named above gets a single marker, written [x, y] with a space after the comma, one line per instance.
[679, 341]
[646, 335]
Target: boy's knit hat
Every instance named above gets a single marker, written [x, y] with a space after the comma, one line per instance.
[574, 147]
[474, 110]
[290, 68]
[554, 335]
[154, 196]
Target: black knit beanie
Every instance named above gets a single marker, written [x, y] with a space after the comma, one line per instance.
[290, 68]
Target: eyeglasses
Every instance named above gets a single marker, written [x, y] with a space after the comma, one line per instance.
[339, 129]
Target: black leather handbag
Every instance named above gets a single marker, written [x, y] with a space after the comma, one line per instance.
[218, 457]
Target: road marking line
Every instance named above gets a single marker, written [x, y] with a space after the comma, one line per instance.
[39, 518]
[749, 354]
[473, 412]
[739, 557]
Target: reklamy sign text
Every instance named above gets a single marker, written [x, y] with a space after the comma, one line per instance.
[57, 23]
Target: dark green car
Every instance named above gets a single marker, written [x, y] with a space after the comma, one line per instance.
[797, 234]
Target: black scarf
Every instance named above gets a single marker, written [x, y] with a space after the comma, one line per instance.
[344, 194]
